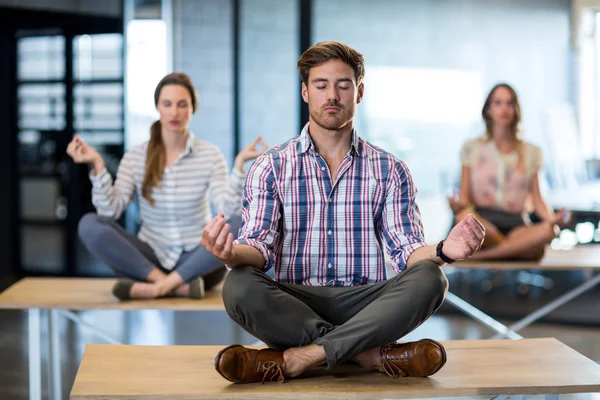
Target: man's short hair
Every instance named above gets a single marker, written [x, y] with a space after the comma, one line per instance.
[322, 52]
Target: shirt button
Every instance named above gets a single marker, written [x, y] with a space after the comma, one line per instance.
[329, 232]
[322, 168]
[329, 265]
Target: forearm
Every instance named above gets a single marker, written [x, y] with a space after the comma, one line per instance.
[238, 165]
[424, 253]
[544, 211]
[226, 196]
[464, 199]
[244, 255]
[105, 199]
[111, 199]
[98, 166]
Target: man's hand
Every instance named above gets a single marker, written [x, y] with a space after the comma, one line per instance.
[464, 239]
[217, 239]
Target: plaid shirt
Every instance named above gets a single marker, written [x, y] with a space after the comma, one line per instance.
[317, 231]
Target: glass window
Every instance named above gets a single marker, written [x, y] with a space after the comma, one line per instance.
[146, 66]
[41, 106]
[98, 106]
[429, 67]
[98, 57]
[41, 58]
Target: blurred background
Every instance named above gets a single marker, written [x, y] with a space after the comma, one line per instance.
[90, 67]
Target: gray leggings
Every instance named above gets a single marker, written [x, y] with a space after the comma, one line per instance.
[128, 256]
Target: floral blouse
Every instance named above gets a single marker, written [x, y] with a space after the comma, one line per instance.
[499, 180]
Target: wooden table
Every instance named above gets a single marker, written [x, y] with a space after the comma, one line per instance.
[60, 295]
[474, 368]
[580, 258]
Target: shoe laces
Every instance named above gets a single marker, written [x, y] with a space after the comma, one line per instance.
[271, 371]
[389, 366]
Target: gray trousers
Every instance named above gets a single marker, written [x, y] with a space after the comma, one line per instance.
[128, 256]
[344, 320]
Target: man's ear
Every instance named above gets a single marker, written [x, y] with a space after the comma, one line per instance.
[305, 92]
[361, 92]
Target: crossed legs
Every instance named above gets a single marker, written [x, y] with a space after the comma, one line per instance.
[331, 325]
[128, 256]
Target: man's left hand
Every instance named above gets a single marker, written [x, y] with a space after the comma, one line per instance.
[464, 239]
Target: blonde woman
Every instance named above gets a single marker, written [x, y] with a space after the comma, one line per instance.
[499, 178]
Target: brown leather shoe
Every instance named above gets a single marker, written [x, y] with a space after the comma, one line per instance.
[422, 358]
[241, 365]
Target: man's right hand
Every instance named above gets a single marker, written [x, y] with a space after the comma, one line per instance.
[217, 239]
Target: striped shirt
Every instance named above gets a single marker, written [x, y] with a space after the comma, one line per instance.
[181, 201]
[317, 231]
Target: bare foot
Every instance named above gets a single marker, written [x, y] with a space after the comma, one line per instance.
[370, 359]
[140, 290]
[298, 359]
[183, 290]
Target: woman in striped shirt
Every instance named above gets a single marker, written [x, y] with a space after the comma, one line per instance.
[176, 178]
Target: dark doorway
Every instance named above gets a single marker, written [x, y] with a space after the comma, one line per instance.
[61, 75]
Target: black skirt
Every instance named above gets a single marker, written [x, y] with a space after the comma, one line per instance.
[504, 221]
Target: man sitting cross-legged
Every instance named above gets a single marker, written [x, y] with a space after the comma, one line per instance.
[320, 209]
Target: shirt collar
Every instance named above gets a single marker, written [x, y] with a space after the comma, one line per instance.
[189, 143]
[306, 141]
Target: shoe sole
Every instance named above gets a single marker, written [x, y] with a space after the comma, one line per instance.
[444, 357]
[197, 288]
[122, 288]
[218, 359]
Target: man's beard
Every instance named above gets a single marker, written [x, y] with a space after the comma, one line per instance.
[332, 122]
